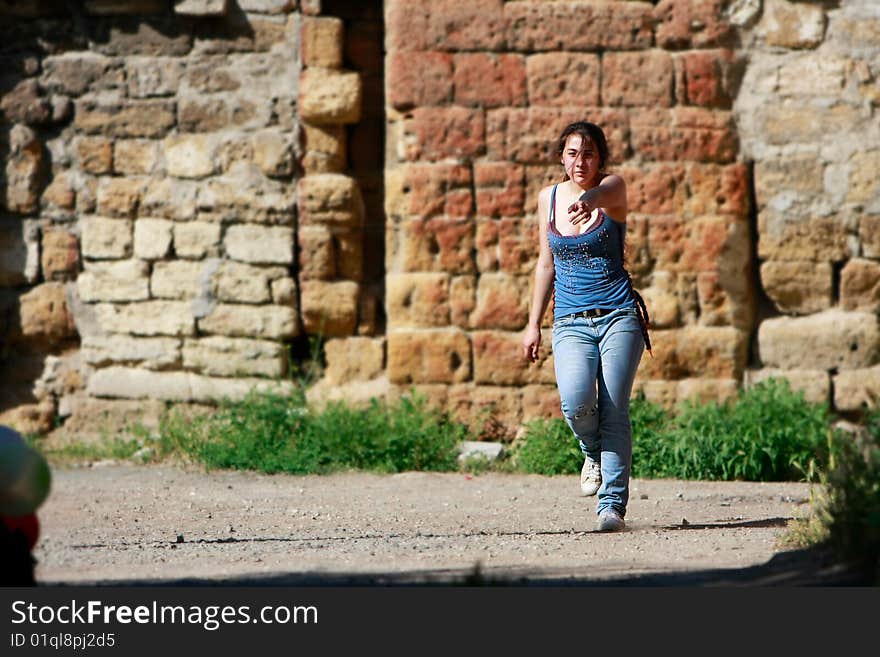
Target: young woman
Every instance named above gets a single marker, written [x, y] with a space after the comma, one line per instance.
[600, 322]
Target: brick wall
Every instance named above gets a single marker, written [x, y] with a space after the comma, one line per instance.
[193, 187]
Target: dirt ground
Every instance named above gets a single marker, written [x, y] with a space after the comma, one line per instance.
[117, 523]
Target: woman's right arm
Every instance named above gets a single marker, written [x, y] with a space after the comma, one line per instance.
[544, 275]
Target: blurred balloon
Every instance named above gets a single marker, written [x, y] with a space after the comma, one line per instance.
[28, 525]
[25, 479]
[10, 435]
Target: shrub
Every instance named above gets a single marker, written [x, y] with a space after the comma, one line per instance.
[548, 447]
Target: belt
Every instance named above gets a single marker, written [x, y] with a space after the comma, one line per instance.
[594, 312]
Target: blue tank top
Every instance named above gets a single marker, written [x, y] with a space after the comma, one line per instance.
[589, 267]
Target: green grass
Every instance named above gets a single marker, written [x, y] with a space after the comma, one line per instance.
[278, 433]
[768, 433]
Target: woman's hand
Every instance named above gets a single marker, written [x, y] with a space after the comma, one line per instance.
[531, 342]
[581, 210]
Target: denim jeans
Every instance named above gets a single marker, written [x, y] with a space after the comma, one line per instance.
[596, 361]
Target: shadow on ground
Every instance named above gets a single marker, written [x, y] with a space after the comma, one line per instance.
[814, 567]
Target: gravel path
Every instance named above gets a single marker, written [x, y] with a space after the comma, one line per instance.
[159, 524]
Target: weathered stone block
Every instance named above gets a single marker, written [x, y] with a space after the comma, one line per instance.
[354, 359]
[197, 239]
[135, 156]
[273, 153]
[685, 133]
[260, 244]
[329, 308]
[170, 198]
[349, 248]
[59, 257]
[190, 155]
[239, 283]
[437, 244]
[498, 359]
[427, 190]
[529, 135]
[322, 42]
[701, 244]
[94, 154]
[694, 352]
[563, 79]
[786, 176]
[717, 189]
[489, 80]
[444, 25]
[177, 279]
[792, 24]
[201, 7]
[148, 318]
[25, 171]
[330, 96]
[817, 239]
[123, 280]
[119, 197]
[502, 302]
[552, 26]
[419, 78]
[798, 287]
[60, 194]
[242, 320]
[25, 103]
[831, 339]
[131, 383]
[317, 256]
[151, 353]
[244, 194]
[652, 87]
[150, 77]
[509, 245]
[703, 78]
[428, 356]
[220, 356]
[869, 235]
[540, 401]
[152, 238]
[106, 238]
[692, 24]
[437, 133]
[417, 300]
[142, 118]
[860, 285]
[857, 390]
[814, 384]
[329, 198]
[500, 189]
[864, 186]
[325, 149]
[43, 315]
[462, 300]
[704, 391]
[75, 73]
[727, 297]
[284, 291]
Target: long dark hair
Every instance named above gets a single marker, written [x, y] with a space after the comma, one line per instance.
[589, 131]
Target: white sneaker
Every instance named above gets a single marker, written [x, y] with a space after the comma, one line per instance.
[591, 476]
[611, 521]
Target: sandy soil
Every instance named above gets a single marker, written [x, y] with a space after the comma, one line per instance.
[118, 523]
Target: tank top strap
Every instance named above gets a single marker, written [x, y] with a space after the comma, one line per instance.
[552, 212]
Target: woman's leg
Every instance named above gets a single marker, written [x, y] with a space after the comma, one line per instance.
[621, 348]
[576, 361]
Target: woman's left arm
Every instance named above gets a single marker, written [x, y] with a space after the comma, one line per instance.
[609, 194]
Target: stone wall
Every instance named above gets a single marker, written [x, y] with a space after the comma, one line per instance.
[193, 188]
[173, 181]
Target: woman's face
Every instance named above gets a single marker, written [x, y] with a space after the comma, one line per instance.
[580, 159]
